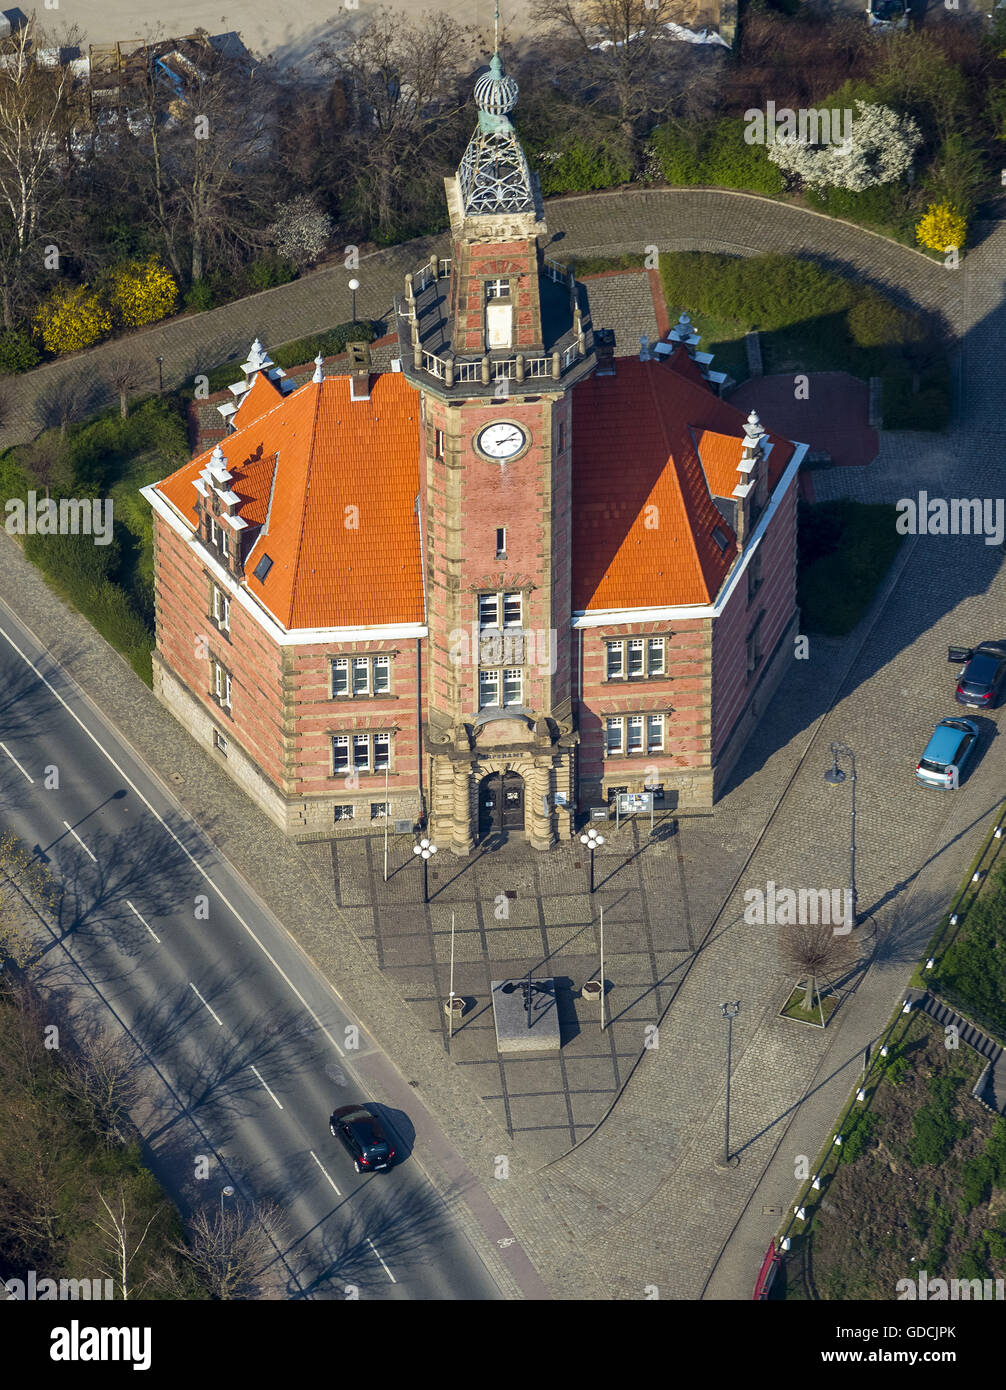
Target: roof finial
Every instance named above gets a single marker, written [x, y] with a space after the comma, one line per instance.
[496, 33]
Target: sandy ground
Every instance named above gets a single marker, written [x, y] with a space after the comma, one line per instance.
[287, 31]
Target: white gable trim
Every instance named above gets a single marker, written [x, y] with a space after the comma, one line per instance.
[284, 637]
[611, 617]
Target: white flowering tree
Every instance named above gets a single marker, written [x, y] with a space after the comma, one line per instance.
[301, 230]
[880, 149]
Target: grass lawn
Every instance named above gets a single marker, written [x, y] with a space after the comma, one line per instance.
[826, 1002]
[922, 1187]
[845, 549]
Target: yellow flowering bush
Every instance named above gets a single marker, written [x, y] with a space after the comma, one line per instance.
[942, 227]
[71, 319]
[141, 292]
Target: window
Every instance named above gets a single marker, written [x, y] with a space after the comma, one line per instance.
[344, 812]
[654, 733]
[489, 689]
[340, 753]
[513, 686]
[754, 645]
[497, 289]
[379, 810]
[492, 606]
[221, 609]
[635, 658]
[438, 443]
[221, 687]
[720, 537]
[262, 568]
[368, 752]
[635, 739]
[501, 542]
[512, 610]
[613, 735]
[561, 437]
[754, 574]
[371, 675]
[219, 742]
[625, 734]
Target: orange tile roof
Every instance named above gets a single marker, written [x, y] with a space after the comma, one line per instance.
[643, 513]
[338, 479]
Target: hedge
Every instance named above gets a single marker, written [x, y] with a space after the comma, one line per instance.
[716, 154]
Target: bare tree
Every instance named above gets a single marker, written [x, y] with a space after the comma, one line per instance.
[819, 953]
[407, 91]
[623, 49]
[125, 372]
[232, 1251]
[102, 1073]
[66, 399]
[35, 102]
[24, 881]
[120, 1245]
[45, 459]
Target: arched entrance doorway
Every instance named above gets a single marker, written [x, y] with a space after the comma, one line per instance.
[501, 803]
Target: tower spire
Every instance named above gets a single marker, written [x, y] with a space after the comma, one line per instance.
[496, 32]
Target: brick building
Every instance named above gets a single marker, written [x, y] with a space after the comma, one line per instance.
[495, 584]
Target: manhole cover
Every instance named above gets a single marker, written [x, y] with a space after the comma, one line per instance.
[177, 777]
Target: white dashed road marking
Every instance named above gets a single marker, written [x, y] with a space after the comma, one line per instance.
[219, 1021]
[146, 924]
[318, 1161]
[258, 1074]
[16, 763]
[80, 842]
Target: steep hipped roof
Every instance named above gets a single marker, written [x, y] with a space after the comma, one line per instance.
[332, 483]
[650, 448]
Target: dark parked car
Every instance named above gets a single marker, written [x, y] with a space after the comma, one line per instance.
[980, 684]
[363, 1136]
[947, 753]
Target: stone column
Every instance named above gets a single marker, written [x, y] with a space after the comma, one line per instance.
[537, 786]
[462, 838]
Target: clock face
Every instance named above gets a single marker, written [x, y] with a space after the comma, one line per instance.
[502, 440]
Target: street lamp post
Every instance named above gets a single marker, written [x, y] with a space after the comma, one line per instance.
[835, 777]
[592, 840]
[730, 1012]
[160, 375]
[427, 849]
[354, 285]
[227, 1191]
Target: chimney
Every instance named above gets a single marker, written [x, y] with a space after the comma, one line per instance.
[604, 347]
[359, 366]
[749, 469]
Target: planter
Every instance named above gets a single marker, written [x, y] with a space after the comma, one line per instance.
[454, 1007]
[591, 990]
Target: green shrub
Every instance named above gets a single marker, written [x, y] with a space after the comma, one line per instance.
[976, 1182]
[199, 297]
[716, 154]
[266, 273]
[836, 588]
[874, 321]
[17, 352]
[935, 1131]
[758, 292]
[888, 207]
[75, 562]
[857, 1135]
[581, 166]
[973, 968]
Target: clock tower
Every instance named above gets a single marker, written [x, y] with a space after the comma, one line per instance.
[493, 339]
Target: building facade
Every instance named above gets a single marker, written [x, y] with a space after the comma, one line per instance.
[491, 587]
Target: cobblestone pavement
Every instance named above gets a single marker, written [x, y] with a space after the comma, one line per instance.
[627, 220]
[638, 1202]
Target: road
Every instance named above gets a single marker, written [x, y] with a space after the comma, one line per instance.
[251, 1048]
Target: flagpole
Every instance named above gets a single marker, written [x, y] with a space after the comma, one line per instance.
[602, 969]
[450, 997]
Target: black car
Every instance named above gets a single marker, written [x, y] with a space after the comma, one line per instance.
[980, 684]
[363, 1136]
